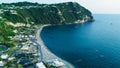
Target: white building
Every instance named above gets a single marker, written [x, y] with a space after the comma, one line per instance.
[35, 54]
[25, 47]
[0, 17]
[1, 11]
[32, 36]
[25, 36]
[34, 44]
[40, 65]
[4, 56]
[15, 31]
[1, 63]
[11, 58]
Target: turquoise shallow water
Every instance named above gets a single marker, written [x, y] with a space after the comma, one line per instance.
[91, 45]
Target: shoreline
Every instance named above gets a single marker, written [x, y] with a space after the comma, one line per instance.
[46, 53]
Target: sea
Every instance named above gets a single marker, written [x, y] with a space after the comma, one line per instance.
[89, 45]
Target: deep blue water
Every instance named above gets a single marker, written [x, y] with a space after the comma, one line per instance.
[91, 45]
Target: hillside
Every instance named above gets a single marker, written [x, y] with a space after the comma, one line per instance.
[62, 13]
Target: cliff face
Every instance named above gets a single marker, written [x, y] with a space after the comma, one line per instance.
[62, 13]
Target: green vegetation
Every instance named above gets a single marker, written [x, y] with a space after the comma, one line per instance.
[11, 64]
[5, 31]
[20, 66]
[62, 13]
[34, 13]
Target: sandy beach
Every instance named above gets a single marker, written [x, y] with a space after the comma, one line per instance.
[46, 53]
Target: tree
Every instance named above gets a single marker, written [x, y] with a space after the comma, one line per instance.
[20, 66]
[3, 30]
[6, 31]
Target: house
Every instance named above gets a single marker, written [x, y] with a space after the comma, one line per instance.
[20, 39]
[35, 27]
[1, 11]
[31, 36]
[23, 36]
[26, 36]
[0, 17]
[1, 63]
[17, 37]
[30, 42]
[13, 11]
[40, 65]
[11, 58]
[15, 31]
[36, 54]
[4, 56]
[10, 37]
[25, 47]
[34, 44]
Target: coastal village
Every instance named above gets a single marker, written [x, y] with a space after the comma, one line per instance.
[24, 48]
[27, 53]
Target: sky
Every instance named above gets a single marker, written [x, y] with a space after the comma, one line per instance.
[95, 6]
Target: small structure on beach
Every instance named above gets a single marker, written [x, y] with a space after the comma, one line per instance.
[55, 62]
[40, 65]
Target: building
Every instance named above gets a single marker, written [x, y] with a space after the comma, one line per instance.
[55, 62]
[40, 65]
[11, 58]
[0, 17]
[13, 11]
[1, 63]
[4, 56]
[32, 36]
[15, 31]
[25, 47]
[34, 44]
[1, 11]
